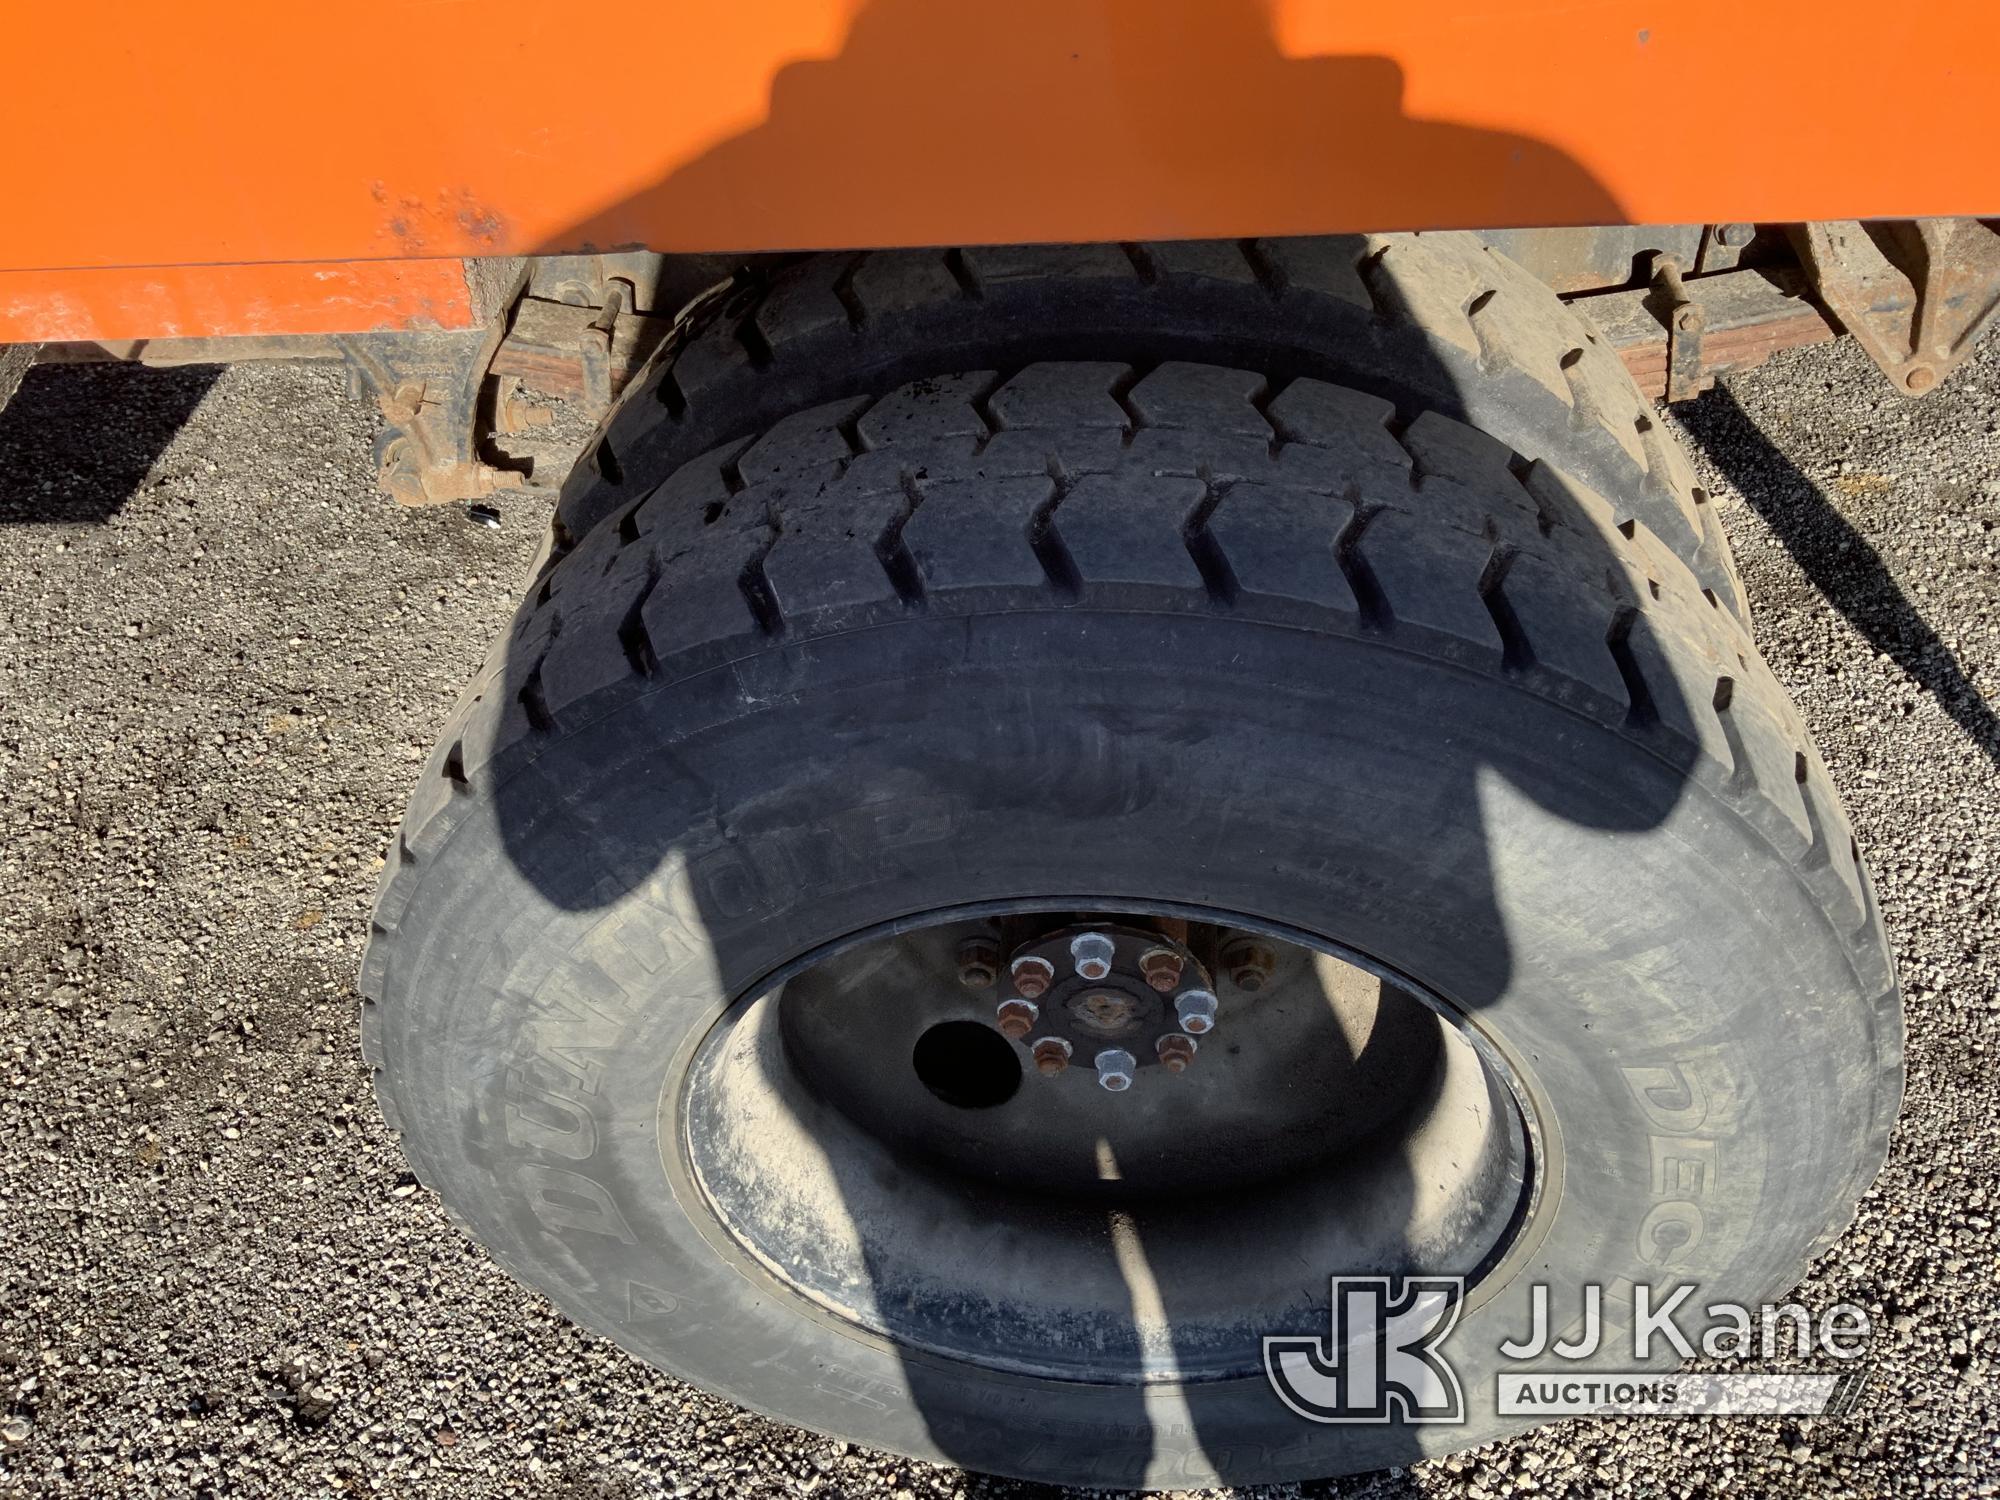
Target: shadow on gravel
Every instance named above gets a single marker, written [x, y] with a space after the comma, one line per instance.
[77, 441]
[1839, 561]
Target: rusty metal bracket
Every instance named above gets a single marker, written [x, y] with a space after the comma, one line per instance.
[595, 344]
[582, 353]
[1724, 247]
[1686, 322]
[436, 405]
[444, 395]
[1917, 294]
[1747, 316]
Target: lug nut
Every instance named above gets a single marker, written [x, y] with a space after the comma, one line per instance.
[1162, 968]
[978, 962]
[1249, 963]
[1033, 976]
[1196, 1009]
[1016, 1018]
[1114, 1069]
[1051, 1055]
[1093, 952]
[1176, 1051]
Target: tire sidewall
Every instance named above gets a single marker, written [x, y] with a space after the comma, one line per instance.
[1704, 1062]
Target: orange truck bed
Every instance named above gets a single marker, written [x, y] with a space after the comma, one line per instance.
[214, 167]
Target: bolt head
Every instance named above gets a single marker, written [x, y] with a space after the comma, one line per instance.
[1687, 320]
[1033, 976]
[1196, 1011]
[1176, 1051]
[1115, 1067]
[1016, 1018]
[978, 963]
[1250, 963]
[1162, 968]
[1919, 378]
[1092, 953]
[1051, 1055]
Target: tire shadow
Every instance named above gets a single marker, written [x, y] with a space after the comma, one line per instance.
[1090, 115]
[1836, 559]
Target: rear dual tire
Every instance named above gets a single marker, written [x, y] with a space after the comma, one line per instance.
[1192, 637]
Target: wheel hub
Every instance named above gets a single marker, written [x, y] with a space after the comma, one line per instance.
[938, 1161]
[1114, 998]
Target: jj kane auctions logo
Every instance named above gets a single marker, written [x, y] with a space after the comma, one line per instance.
[1382, 1357]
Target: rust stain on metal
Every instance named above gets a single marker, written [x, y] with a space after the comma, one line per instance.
[460, 218]
[481, 225]
[1105, 1012]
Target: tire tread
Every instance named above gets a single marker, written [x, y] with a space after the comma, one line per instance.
[1294, 501]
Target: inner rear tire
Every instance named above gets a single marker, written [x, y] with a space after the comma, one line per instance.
[1432, 322]
[1190, 641]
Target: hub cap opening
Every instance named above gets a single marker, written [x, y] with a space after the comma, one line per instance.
[966, 1065]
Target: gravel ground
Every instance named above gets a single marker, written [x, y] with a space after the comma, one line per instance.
[215, 1275]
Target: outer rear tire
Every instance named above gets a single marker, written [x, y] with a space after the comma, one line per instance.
[1191, 634]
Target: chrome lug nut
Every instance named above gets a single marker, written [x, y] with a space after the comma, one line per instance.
[1016, 1018]
[1176, 1051]
[1162, 968]
[1196, 1010]
[1093, 952]
[978, 962]
[1114, 1069]
[1033, 976]
[1051, 1055]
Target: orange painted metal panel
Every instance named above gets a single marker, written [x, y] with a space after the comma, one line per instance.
[221, 131]
[215, 301]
